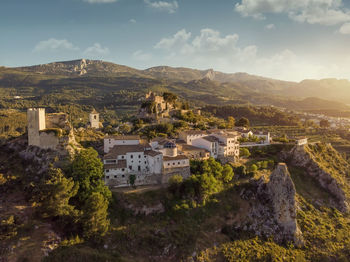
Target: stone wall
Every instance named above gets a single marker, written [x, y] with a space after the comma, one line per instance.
[185, 172]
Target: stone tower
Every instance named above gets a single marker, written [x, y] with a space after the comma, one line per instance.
[36, 122]
[94, 119]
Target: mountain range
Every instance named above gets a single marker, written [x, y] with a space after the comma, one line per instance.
[200, 86]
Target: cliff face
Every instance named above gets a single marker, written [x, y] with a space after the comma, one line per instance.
[281, 192]
[273, 207]
[325, 165]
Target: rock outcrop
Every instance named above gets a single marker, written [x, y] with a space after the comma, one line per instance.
[273, 207]
[335, 184]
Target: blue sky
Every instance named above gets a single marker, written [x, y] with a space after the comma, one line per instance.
[284, 39]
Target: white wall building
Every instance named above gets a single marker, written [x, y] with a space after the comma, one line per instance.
[127, 159]
[140, 160]
[210, 143]
[111, 141]
[190, 135]
[264, 136]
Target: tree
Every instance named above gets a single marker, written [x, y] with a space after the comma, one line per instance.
[253, 168]
[124, 128]
[227, 173]
[244, 152]
[230, 122]
[95, 219]
[169, 98]
[324, 123]
[132, 179]
[244, 122]
[56, 193]
[87, 171]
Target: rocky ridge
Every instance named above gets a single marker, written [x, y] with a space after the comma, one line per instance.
[302, 157]
[273, 207]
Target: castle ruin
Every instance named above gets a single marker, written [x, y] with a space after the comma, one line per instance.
[50, 131]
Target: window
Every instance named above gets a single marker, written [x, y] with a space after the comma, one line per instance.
[107, 177]
[131, 156]
[123, 169]
[139, 156]
[145, 162]
[107, 170]
[122, 157]
[174, 164]
[115, 176]
[130, 167]
[123, 176]
[168, 164]
[144, 156]
[178, 163]
[95, 117]
[139, 168]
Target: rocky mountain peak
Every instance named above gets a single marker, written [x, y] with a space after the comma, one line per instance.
[209, 74]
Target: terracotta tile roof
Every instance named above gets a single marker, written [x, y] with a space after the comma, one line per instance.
[211, 138]
[152, 153]
[121, 137]
[123, 149]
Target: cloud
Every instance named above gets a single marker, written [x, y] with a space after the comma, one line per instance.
[324, 12]
[133, 21]
[100, 1]
[54, 44]
[345, 29]
[96, 50]
[211, 49]
[170, 7]
[139, 55]
[179, 39]
[270, 27]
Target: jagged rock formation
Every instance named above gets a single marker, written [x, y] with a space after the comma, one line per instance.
[328, 168]
[80, 67]
[273, 207]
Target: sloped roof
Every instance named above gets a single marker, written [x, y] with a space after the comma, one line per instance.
[122, 137]
[124, 149]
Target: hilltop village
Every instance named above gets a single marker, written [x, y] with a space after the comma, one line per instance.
[132, 160]
[172, 174]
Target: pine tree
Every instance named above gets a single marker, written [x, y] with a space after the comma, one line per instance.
[95, 219]
[57, 190]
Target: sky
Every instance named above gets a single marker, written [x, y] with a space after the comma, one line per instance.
[283, 39]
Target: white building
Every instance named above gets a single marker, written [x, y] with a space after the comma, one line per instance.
[127, 160]
[111, 141]
[228, 146]
[190, 135]
[264, 136]
[139, 161]
[210, 143]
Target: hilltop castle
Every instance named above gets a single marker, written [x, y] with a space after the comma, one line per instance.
[50, 131]
[155, 106]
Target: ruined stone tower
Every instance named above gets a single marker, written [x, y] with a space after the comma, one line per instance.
[36, 122]
[94, 119]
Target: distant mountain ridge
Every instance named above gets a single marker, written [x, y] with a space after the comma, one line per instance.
[194, 83]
